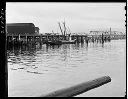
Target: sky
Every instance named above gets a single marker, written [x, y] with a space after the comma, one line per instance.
[79, 17]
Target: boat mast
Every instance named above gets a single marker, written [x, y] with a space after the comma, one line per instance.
[60, 28]
[69, 33]
[64, 28]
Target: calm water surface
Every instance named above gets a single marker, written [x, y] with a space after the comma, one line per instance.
[38, 70]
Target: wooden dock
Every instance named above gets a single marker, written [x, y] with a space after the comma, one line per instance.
[18, 40]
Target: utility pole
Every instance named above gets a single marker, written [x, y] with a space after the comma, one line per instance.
[110, 30]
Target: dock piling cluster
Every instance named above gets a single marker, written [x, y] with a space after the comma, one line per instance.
[19, 40]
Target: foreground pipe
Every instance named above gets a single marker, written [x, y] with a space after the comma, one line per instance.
[80, 88]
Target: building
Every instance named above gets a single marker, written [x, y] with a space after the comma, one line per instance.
[21, 28]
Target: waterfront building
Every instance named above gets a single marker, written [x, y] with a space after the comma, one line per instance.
[21, 29]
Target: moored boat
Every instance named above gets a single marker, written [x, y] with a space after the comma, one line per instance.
[68, 41]
[59, 42]
[66, 38]
[54, 42]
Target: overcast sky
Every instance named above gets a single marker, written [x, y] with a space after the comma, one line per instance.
[79, 17]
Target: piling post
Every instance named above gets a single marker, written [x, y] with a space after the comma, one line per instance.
[77, 37]
[25, 38]
[72, 37]
[80, 88]
[102, 38]
[86, 40]
[82, 39]
[92, 39]
[32, 39]
[40, 39]
[13, 40]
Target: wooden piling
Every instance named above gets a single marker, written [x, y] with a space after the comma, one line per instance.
[80, 88]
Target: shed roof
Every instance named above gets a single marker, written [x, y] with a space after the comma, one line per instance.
[20, 24]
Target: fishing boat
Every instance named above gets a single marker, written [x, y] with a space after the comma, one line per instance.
[54, 42]
[59, 42]
[66, 40]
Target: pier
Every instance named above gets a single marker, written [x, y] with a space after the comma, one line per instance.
[19, 34]
[18, 40]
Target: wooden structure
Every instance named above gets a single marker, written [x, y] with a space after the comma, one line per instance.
[26, 33]
[21, 29]
[42, 39]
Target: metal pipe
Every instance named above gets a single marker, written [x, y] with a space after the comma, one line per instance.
[80, 88]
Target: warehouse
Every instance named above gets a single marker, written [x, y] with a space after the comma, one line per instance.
[22, 29]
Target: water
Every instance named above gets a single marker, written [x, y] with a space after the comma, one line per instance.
[35, 71]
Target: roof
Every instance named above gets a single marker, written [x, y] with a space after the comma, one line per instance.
[20, 24]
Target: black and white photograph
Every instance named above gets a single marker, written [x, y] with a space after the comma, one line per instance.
[66, 49]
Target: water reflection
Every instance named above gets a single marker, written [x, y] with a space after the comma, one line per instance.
[36, 57]
[30, 56]
[52, 47]
[22, 57]
[67, 62]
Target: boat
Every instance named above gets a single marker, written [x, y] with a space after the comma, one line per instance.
[59, 42]
[54, 42]
[68, 41]
[65, 40]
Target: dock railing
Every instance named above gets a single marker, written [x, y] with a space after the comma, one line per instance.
[80, 88]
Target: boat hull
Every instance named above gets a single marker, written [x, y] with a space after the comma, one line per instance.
[60, 42]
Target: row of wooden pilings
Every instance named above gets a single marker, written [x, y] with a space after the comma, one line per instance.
[33, 39]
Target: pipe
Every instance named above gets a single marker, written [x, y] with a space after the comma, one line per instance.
[80, 88]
